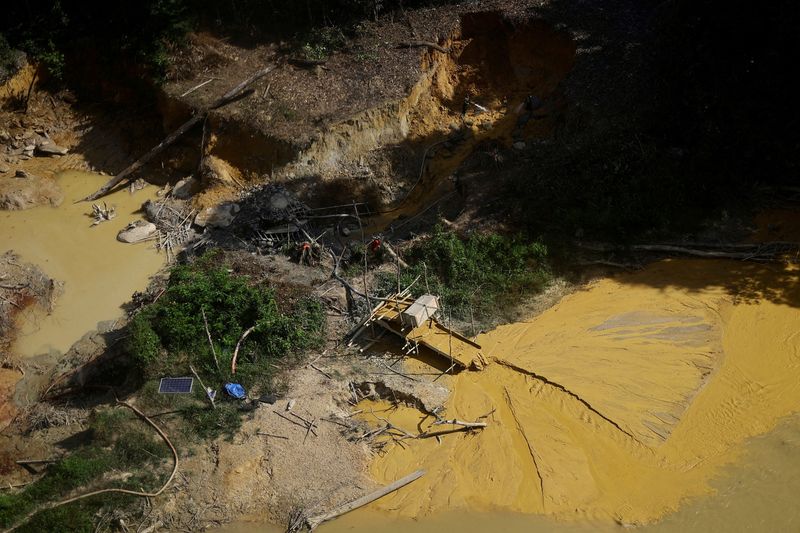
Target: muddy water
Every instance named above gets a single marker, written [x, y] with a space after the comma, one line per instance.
[758, 493]
[664, 398]
[99, 273]
[618, 403]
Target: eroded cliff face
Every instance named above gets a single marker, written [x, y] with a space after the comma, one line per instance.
[471, 90]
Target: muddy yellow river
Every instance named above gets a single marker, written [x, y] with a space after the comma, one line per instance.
[619, 402]
[99, 273]
[636, 401]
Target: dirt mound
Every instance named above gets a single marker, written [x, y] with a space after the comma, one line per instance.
[21, 285]
[383, 129]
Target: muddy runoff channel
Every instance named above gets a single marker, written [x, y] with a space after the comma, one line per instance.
[662, 399]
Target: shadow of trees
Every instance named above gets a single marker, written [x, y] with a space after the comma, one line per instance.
[669, 118]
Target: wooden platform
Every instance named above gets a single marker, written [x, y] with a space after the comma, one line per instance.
[455, 348]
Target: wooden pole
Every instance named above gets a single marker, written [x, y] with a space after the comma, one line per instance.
[315, 521]
[175, 135]
[205, 390]
[364, 275]
[238, 345]
[397, 264]
[210, 342]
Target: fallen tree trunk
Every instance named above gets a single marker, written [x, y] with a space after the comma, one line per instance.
[423, 44]
[314, 521]
[175, 135]
[768, 251]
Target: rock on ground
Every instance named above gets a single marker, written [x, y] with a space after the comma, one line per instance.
[219, 216]
[186, 188]
[50, 148]
[137, 231]
[24, 193]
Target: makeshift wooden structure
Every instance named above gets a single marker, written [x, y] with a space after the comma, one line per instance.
[415, 321]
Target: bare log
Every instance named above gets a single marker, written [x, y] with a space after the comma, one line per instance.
[199, 85]
[264, 434]
[398, 372]
[36, 461]
[236, 91]
[139, 163]
[175, 135]
[238, 345]
[753, 252]
[318, 369]
[423, 44]
[456, 422]
[315, 521]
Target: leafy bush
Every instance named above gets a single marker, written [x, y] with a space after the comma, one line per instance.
[321, 43]
[11, 60]
[168, 336]
[481, 273]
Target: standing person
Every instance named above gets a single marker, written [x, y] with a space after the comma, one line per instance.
[526, 109]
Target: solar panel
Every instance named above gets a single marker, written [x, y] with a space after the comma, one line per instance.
[175, 385]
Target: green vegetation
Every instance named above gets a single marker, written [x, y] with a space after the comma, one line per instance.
[119, 442]
[7, 61]
[168, 336]
[72, 38]
[482, 273]
[128, 35]
[321, 43]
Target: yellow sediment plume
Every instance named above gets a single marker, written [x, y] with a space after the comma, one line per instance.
[619, 402]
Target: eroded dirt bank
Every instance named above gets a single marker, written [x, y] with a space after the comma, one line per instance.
[618, 403]
[410, 126]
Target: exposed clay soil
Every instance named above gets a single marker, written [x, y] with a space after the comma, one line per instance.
[374, 115]
[369, 118]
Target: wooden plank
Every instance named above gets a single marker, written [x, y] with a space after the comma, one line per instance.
[314, 521]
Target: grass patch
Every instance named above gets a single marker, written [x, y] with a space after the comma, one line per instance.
[204, 423]
[480, 274]
[120, 442]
